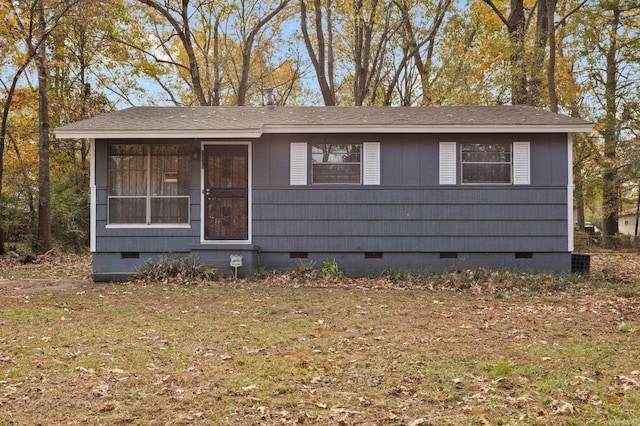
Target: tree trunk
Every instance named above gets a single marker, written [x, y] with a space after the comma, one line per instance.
[610, 196]
[551, 66]
[637, 212]
[43, 242]
[516, 27]
[324, 56]
[517, 32]
[215, 100]
[247, 48]
[183, 30]
[539, 50]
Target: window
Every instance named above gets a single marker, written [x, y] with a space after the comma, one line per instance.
[333, 163]
[148, 184]
[486, 163]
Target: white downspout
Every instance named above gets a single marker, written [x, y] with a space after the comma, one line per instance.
[570, 192]
[92, 190]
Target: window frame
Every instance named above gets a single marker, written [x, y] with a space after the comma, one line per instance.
[360, 165]
[148, 197]
[510, 163]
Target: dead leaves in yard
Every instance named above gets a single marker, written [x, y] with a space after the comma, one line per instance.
[470, 347]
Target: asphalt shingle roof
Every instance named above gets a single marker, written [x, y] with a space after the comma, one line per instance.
[258, 120]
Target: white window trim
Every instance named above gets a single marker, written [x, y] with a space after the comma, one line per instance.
[369, 164]
[148, 198]
[520, 164]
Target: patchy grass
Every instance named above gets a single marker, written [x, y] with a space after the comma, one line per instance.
[469, 347]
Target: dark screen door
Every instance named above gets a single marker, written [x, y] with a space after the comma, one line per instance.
[226, 192]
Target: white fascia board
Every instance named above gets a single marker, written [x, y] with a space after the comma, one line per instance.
[157, 134]
[346, 128]
[578, 128]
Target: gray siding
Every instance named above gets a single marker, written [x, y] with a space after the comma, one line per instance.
[409, 211]
[412, 160]
[151, 240]
[409, 218]
[426, 220]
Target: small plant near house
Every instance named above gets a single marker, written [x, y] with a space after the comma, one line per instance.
[185, 267]
[302, 270]
[330, 269]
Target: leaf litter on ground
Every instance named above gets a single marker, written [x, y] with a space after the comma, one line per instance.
[466, 347]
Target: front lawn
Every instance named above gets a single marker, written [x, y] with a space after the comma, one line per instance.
[281, 350]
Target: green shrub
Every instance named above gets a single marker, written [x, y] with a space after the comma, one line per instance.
[70, 212]
[330, 269]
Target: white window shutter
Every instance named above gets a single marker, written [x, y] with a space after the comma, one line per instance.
[521, 163]
[447, 163]
[298, 166]
[371, 163]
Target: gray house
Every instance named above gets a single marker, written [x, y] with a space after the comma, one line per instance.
[374, 188]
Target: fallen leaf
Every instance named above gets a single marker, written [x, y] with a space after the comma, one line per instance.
[263, 411]
[107, 407]
[100, 389]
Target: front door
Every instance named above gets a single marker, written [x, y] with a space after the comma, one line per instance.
[226, 189]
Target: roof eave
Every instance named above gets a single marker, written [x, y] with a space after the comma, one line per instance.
[495, 128]
[62, 133]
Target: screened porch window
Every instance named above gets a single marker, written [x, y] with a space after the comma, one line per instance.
[336, 163]
[148, 184]
[486, 163]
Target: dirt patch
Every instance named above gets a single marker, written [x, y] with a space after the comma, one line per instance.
[33, 285]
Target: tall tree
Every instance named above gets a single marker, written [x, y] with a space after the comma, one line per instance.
[515, 23]
[320, 47]
[420, 31]
[177, 14]
[43, 242]
[253, 19]
[22, 27]
[613, 64]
